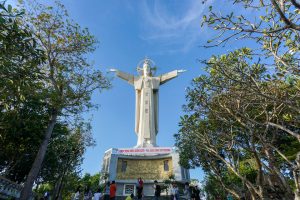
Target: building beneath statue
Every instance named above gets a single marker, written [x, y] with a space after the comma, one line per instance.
[145, 160]
[125, 166]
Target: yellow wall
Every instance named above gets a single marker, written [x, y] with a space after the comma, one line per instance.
[147, 169]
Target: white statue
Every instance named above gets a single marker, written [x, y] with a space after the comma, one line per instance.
[146, 91]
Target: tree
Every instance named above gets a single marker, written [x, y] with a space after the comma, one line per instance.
[231, 121]
[64, 155]
[248, 104]
[277, 34]
[24, 111]
[68, 79]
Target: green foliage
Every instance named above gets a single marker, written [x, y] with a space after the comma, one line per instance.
[72, 181]
[91, 181]
[213, 188]
[22, 114]
[19, 58]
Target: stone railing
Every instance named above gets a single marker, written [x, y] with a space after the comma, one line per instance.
[9, 189]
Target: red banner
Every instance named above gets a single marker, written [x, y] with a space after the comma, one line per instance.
[152, 150]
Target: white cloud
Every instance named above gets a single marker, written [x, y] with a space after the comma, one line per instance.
[179, 28]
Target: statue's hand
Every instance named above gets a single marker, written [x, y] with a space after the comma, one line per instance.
[181, 71]
[112, 70]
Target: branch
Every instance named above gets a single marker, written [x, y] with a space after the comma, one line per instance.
[237, 118]
[247, 182]
[222, 41]
[263, 94]
[283, 17]
[296, 4]
[284, 129]
[282, 155]
[219, 177]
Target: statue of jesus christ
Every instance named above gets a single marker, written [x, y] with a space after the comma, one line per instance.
[146, 101]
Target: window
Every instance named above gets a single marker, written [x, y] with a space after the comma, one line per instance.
[166, 165]
[124, 166]
[128, 189]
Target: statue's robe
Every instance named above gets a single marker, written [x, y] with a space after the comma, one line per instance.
[146, 104]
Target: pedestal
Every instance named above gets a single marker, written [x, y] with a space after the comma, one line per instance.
[126, 165]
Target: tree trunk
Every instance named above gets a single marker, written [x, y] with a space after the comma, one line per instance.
[58, 186]
[35, 169]
[58, 192]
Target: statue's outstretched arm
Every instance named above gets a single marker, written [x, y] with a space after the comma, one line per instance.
[168, 76]
[127, 77]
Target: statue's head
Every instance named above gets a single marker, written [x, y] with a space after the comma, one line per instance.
[146, 68]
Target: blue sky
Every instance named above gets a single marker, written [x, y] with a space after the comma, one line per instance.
[166, 31]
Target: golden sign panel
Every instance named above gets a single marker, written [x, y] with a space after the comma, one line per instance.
[156, 169]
